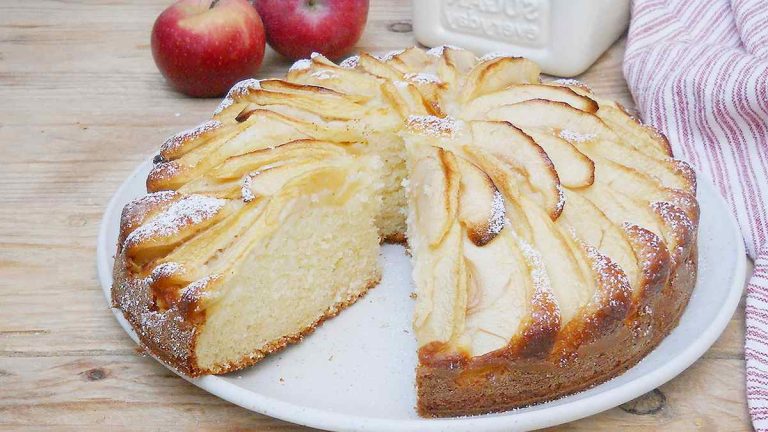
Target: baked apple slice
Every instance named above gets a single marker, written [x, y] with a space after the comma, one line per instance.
[515, 161]
[306, 123]
[499, 292]
[481, 206]
[676, 212]
[235, 178]
[208, 252]
[570, 286]
[435, 237]
[514, 93]
[172, 173]
[584, 129]
[376, 67]
[589, 224]
[641, 254]
[574, 168]
[406, 99]
[671, 173]
[498, 73]
[555, 117]
[644, 138]
[236, 166]
[607, 308]
[318, 85]
[636, 183]
[178, 222]
[284, 86]
[440, 278]
[461, 60]
[360, 86]
[434, 183]
[327, 105]
[410, 60]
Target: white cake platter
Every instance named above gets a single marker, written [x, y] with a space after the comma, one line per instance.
[356, 372]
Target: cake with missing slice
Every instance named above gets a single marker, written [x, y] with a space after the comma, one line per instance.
[552, 235]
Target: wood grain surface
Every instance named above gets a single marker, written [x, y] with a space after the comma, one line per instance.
[81, 104]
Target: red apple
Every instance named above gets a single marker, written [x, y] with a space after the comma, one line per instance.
[297, 28]
[203, 47]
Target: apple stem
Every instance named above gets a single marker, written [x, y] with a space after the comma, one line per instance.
[213, 3]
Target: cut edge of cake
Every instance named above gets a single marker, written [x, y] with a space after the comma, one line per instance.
[195, 274]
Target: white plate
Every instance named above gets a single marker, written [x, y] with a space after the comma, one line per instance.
[356, 372]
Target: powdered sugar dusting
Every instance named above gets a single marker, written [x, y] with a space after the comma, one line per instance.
[173, 142]
[302, 64]
[190, 210]
[545, 307]
[439, 50]
[613, 282]
[575, 137]
[495, 55]
[168, 331]
[560, 198]
[323, 75]
[152, 199]
[400, 84]
[648, 254]
[246, 192]
[435, 126]
[533, 257]
[164, 270]
[498, 214]
[350, 62]
[422, 78]
[224, 104]
[672, 215]
[165, 170]
[244, 86]
[238, 90]
[390, 55]
[570, 82]
[199, 284]
[598, 261]
[681, 225]
[145, 202]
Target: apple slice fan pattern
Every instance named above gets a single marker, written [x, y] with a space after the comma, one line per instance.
[699, 71]
[553, 236]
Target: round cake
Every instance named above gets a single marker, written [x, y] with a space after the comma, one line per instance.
[552, 235]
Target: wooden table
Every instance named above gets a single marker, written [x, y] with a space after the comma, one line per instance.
[81, 104]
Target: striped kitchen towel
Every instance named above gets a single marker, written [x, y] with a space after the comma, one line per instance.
[698, 70]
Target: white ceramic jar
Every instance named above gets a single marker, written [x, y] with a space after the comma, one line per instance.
[564, 36]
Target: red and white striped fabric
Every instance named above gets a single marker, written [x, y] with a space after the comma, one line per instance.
[698, 70]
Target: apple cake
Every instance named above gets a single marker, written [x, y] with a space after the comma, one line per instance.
[552, 235]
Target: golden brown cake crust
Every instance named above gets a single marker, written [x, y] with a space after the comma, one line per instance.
[497, 384]
[396, 238]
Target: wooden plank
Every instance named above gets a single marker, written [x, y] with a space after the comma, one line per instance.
[81, 391]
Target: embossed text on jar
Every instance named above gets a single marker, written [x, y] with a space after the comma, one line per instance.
[521, 22]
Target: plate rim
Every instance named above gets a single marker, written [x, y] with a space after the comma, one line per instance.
[510, 420]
